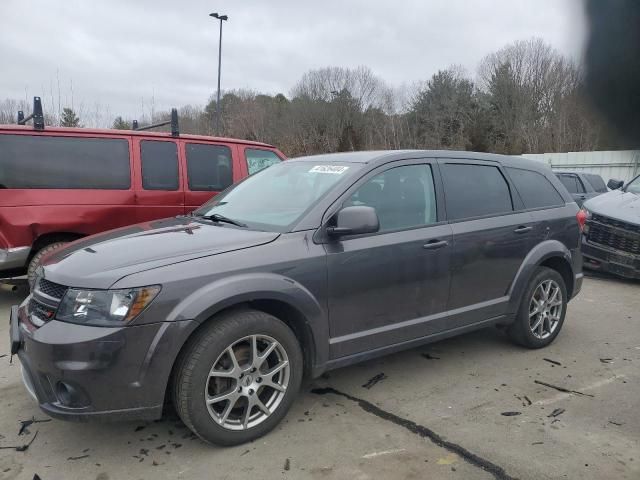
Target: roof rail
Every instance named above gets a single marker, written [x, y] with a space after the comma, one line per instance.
[175, 131]
[37, 116]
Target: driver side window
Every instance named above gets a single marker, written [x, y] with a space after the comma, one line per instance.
[404, 197]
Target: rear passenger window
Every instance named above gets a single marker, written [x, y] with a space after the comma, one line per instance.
[260, 159]
[474, 191]
[534, 189]
[572, 182]
[28, 161]
[208, 167]
[159, 165]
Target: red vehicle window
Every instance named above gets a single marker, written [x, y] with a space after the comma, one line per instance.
[159, 165]
[209, 167]
[258, 159]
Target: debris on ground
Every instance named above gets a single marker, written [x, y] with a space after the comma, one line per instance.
[287, 465]
[556, 412]
[511, 414]
[606, 360]
[3, 355]
[78, 458]
[619, 424]
[561, 389]
[537, 443]
[140, 427]
[428, 356]
[555, 362]
[26, 423]
[21, 448]
[529, 402]
[373, 380]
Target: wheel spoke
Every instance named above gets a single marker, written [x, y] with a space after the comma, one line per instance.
[535, 326]
[276, 369]
[258, 403]
[246, 414]
[274, 385]
[227, 410]
[231, 395]
[535, 312]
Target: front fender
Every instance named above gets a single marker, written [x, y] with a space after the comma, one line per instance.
[205, 302]
[540, 253]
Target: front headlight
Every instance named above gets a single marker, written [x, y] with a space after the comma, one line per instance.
[110, 308]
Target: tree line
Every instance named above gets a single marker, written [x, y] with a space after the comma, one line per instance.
[524, 98]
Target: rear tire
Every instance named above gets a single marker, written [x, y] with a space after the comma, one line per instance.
[542, 310]
[237, 378]
[36, 260]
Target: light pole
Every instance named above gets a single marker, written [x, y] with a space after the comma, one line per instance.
[221, 18]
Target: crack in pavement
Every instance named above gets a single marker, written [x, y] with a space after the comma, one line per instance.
[470, 457]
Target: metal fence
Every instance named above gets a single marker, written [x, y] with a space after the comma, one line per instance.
[621, 165]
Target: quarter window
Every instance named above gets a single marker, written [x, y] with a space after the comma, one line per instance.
[534, 189]
[28, 161]
[259, 159]
[404, 197]
[159, 165]
[475, 191]
[208, 167]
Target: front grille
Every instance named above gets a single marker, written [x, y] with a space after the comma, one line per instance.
[41, 312]
[616, 223]
[614, 237]
[51, 289]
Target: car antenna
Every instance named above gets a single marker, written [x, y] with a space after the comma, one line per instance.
[37, 116]
[175, 131]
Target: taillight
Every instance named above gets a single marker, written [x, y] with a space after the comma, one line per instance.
[582, 216]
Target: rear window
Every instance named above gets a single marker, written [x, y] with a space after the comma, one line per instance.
[259, 159]
[208, 167]
[596, 182]
[534, 189]
[475, 190]
[28, 161]
[159, 165]
[572, 182]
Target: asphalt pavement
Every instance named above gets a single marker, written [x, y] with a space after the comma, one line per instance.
[472, 407]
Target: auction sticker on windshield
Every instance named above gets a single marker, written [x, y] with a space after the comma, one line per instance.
[334, 169]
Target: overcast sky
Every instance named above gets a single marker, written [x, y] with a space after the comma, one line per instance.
[122, 52]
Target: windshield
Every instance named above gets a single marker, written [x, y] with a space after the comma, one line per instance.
[275, 198]
[634, 186]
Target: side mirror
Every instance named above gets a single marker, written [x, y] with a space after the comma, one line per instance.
[614, 184]
[355, 220]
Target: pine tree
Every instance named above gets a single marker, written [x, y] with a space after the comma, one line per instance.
[69, 118]
[120, 124]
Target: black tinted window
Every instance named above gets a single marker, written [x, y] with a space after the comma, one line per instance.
[534, 189]
[258, 159]
[28, 161]
[159, 165]
[475, 190]
[404, 197]
[208, 167]
[596, 182]
[572, 182]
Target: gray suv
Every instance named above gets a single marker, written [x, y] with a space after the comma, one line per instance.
[309, 265]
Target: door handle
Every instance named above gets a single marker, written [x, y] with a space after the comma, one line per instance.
[523, 229]
[435, 244]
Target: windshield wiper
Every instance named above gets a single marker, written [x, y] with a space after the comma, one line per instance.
[216, 217]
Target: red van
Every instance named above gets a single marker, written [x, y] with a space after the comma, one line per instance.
[61, 184]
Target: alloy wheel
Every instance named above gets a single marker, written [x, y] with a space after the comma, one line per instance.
[545, 309]
[247, 382]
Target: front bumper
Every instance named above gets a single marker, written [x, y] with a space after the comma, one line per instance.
[14, 258]
[606, 259]
[78, 372]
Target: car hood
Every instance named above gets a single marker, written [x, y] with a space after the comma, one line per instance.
[624, 206]
[101, 260]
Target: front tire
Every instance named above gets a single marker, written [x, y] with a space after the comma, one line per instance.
[237, 377]
[542, 310]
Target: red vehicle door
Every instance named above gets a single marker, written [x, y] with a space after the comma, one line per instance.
[157, 179]
[209, 169]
